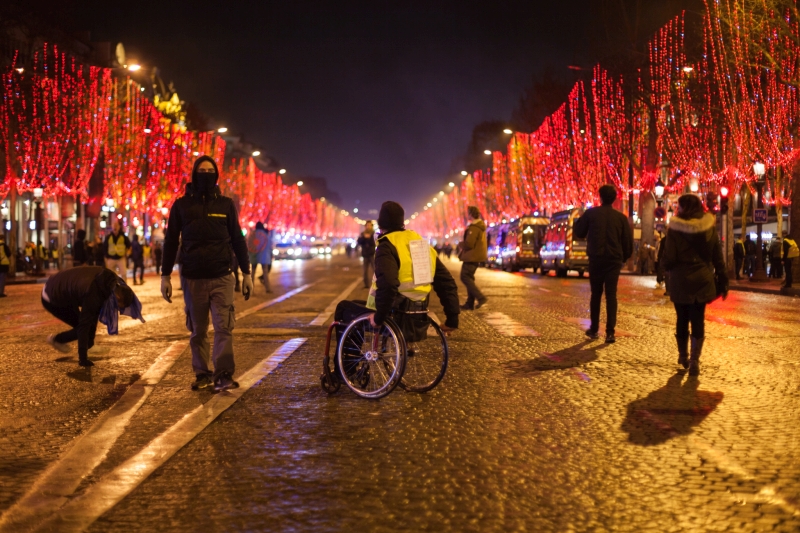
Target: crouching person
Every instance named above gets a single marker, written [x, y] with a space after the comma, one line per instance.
[82, 296]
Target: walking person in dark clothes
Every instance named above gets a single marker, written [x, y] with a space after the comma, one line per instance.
[80, 255]
[609, 245]
[366, 241]
[77, 297]
[749, 256]
[693, 256]
[99, 252]
[206, 226]
[474, 251]
[137, 258]
[158, 254]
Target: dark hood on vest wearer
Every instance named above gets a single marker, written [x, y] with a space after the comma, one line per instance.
[204, 182]
[391, 217]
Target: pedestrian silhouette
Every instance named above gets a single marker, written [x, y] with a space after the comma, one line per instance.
[670, 411]
[571, 357]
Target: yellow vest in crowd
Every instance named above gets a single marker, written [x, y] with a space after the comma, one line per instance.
[118, 247]
[416, 293]
[4, 259]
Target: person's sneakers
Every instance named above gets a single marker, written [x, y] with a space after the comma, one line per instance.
[592, 334]
[466, 307]
[225, 382]
[482, 304]
[610, 338]
[61, 347]
[203, 381]
[98, 350]
[85, 362]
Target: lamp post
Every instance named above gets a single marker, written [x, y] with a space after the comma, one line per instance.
[759, 275]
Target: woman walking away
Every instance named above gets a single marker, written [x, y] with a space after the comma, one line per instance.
[693, 258]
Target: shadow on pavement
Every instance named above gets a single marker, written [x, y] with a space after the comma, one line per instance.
[567, 358]
[670, 411]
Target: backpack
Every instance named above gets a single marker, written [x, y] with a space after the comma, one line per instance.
[793, 250]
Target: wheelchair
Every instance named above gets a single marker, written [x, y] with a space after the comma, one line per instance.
[408, 350]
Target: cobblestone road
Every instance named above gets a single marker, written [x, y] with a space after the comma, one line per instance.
[534, 428]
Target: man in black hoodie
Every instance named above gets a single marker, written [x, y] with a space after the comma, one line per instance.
[609, 245]
[206, 225]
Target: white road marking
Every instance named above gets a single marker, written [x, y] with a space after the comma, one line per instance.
[80, 513]
[505, 325]
[263, 305]
[326, 314]
[543, 289]
[62, 478]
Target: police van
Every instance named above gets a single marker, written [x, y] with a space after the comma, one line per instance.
[515, 245]
[562, 252]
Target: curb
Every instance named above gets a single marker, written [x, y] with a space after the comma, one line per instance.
[764, 290]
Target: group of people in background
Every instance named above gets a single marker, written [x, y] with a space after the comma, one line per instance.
[778, 257]
[118, 252]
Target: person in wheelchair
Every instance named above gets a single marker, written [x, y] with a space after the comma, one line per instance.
[393, 292]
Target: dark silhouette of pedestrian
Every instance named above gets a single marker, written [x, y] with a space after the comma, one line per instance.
[693, 257]
[366, 241]
[790, 251]
[609, 245]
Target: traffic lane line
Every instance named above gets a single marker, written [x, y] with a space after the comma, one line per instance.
[507, 326]
[326, 314]
[268, 303]
[81, 512]
[51, 490]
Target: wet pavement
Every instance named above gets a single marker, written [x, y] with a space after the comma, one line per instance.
[534, 428]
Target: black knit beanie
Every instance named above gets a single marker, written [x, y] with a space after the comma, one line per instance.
[392, 217]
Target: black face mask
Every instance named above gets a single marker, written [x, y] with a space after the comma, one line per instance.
[204, 182]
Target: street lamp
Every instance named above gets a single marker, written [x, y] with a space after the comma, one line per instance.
[659, 190]
[300, 183]
[464, 172]
[222, 130]
[507, 131]
[282, 171]
[256, 153]
[487, 152]
[759, 169]
[451, 184]
[134, 67]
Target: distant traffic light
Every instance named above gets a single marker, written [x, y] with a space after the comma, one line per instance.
[723, 206]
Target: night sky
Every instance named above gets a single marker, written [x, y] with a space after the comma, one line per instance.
[380, 98]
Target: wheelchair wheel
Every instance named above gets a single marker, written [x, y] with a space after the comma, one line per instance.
[426, 361]
[371, 360]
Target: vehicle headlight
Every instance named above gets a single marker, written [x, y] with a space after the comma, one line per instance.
[298, 251]
[327, 249]
[290, 251]
[314, 251]
[275, 252]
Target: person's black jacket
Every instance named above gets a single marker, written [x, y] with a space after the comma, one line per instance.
[750, 247]
[100, 254]
[84, 287]
[367, 244]
[79, 254]
[207, 228]
[387, 267]
[137, 253]
[608, 234]
[692, 255]
[738, 250]
[116, 239]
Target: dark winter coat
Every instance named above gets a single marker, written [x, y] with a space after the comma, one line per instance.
[475, 249]
[207, 227]
[387, 296]
[367, 243]
[609, 239]
[692, 255]
[84, 287]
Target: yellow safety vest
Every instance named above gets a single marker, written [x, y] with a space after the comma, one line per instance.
[118, 247]
[4, 259]
[416, 293]
[793, 250]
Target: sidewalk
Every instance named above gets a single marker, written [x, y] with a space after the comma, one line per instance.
[24, 279]
[773, 286]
